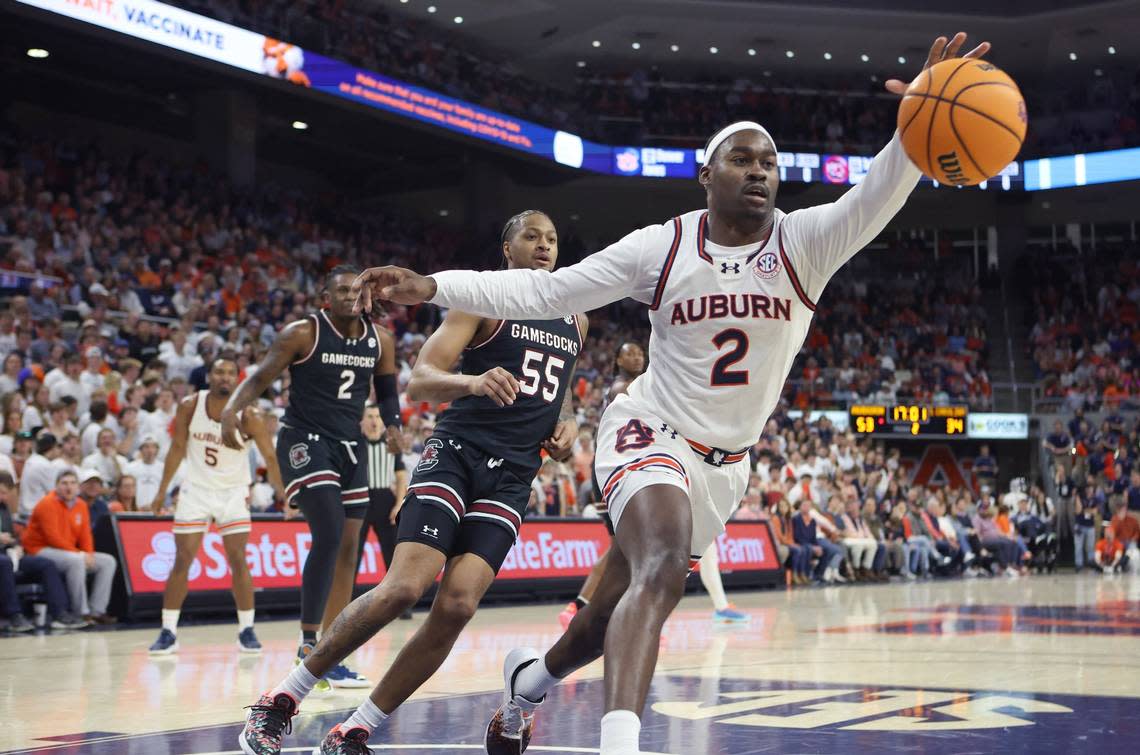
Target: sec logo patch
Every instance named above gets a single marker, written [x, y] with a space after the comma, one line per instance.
[767, 266]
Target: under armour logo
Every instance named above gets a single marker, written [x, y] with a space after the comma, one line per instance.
[725, 268]
[454, 445]
[492, 463]
[432, 531]
[314, 437]
[666, 429]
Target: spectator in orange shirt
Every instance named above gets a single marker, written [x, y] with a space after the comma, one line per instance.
[1124, 525]
[1110, 553]
[60, 531]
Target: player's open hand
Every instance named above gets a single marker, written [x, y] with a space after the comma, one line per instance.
[942, 49]
[561, 443]
[496, 384]
[392, 438]
[156, 504]
[394, 284]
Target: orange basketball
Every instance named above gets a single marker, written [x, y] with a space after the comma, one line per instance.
[962, 120]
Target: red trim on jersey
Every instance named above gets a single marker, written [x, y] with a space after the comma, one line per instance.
[325, 315]
[442, 493]
[487, 506]
[488, 339]
[653, 460]
[729, 457]
[660, 290]
[316, 339]
[295, 487]
[702, 229]
[578, 330]
[792, 273]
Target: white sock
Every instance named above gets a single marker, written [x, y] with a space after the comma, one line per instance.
[367, 717]
[245, 619]
[299, 683]
[535, 680]
[170, 619]
[710, 578]
[621, 730]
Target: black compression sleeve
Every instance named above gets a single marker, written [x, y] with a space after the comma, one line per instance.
[388, 397]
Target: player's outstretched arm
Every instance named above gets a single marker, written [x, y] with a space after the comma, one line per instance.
[433, 379]
[294, 342]
[623, 269]
[177, 451]
[819, 240]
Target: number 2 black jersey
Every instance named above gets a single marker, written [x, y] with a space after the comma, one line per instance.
[541, 354]
[330, 386]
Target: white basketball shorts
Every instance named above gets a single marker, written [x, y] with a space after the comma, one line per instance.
[228, 508]
[636, 449]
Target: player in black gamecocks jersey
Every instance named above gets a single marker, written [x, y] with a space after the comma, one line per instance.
[335, 359]
[467, 497]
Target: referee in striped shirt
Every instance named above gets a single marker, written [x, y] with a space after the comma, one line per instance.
[387, 485]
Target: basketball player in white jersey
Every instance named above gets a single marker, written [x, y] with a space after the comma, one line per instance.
[215, 488]
[731, 292]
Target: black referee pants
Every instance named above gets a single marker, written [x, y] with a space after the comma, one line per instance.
[380, 503]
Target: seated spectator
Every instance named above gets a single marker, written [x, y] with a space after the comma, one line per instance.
[126, 498]
[1040, 540]
[39, 474]
[1110, 556]
[106, 459]
[991, 537]
[796, 558]
[93, 489]
[896, 556]
[16, 567]
[862, 547]
[60, 531]
[805, 532]
[1124, 525]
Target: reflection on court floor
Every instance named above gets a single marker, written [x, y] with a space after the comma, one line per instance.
[706, 715]
[1046, 664]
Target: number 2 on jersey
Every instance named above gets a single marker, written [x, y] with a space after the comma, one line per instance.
[348, 376]
[721, 374]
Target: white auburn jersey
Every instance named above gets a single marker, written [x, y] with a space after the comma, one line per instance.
[727, 323]
[209, 463]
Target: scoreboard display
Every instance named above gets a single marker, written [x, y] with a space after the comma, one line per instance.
[909, 421]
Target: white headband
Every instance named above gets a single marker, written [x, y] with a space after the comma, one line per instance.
[728, 131]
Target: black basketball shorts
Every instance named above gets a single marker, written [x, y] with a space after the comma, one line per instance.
[310, 461]
[464, 500]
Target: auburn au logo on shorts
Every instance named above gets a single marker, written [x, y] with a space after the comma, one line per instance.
[299, 455]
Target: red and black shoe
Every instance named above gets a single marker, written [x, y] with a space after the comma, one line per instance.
[510, 729]
[267, 723]
[342, 741]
